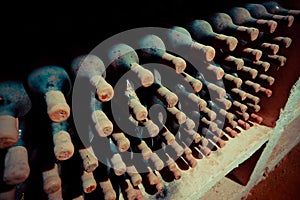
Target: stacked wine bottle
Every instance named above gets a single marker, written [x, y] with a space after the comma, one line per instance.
[103, 127]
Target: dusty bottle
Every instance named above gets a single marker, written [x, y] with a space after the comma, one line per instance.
[203, 32]
[222, 23]
[14, 103]
[179, 38]
[123, 58]
[259, 11]
[241, 16]
[275, 8]
[16, 161]
[93, 68]
[153, 48]
[54, 84]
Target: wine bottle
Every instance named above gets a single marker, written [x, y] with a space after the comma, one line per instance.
[264, 80]
[275, 8]
[102, 123]
[126, 187]
[247, 52]
[228, 130]
[88, 182]
[282, 41]
[269, 48]
[102, 177]
[189, 98]
[71, 172]
[63, 145]
[241, 16]
[14, 103]
[152, 48]
[195, 83]
[123, 58]
[231, 81]
[212, 89]
[259, 11]
[236, 105]
[158, 91]
[202, 31]
[228, 61]
[151, 182]
[228, 116]
[277, 60]
[247, 73]
[179, 38]
[138, 111]
[54, 84]
[222, 23]
[89, 159]
[92, 67]
[51, 180]
[210, 136]
[16, 161]
[260, 66]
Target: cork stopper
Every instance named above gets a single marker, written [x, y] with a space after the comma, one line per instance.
[118, 164]
[16, 166]
[145, 150]
[145, 76]
[135, 177]
[283, 41]
[250, 53]
[169, 137]
[108, 190]
[140, 112]
[9, 131]
[232, 133]
[287, 20]
[51, 180]
[123, 142]
[247, 33]
[130, 191]
[158, 163]
[152, 178]
[248, 72]
[63, 146]
[221, 92]
[227, 43]
[256, 118]
[103, 125]
[104, 90]
[233, 62]
[232, 80]
[57, 107]
[173, 168]
[195, 83]
[169, 97]
[241, 107]
[269, 48]
[217, 72]
[244, 125]
[178, 114]
[88, 182]
[238, 93]
[268, 26]
[56, 195]
[90, 161]
[211, 115]
[207, 52]
[177, 148]
[201, 103]
[223, 103]
[178, 62]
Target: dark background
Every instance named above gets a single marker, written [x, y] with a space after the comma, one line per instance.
[36, 34]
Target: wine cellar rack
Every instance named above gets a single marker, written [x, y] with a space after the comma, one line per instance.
[218, 100]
